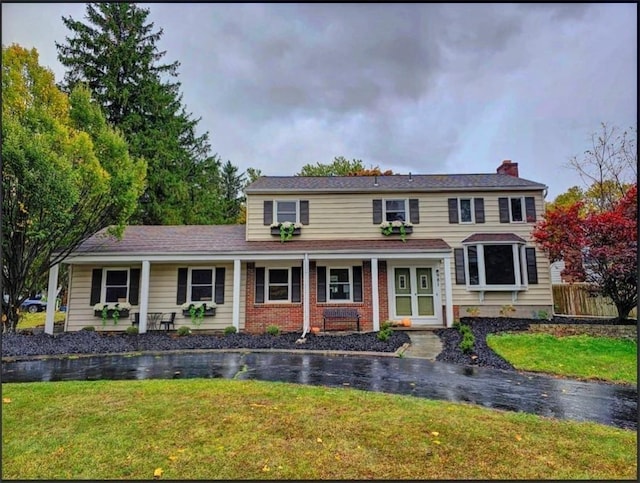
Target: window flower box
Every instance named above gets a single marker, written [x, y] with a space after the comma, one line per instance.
[401, 228]
[202, 309]
[286, 230]
[113, 311]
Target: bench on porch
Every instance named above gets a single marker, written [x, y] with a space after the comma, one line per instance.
[340, 315]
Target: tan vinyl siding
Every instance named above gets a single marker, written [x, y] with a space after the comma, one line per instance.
[163, 283]
[351, 216]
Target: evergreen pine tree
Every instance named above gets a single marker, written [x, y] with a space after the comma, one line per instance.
[115, 53]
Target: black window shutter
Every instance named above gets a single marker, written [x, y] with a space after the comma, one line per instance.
[219, 295]
[459, 261]
[295, 284]
[181, 295]
[377, 212]
[268, 212]
[503, 206]
[322, 283]
[304, 212]
[134, 286]
[453, 210]
[532, 267]
[478, 206]
[259, 285]
[414, 211]
[96, 286]
[357, 283]
[530, 204]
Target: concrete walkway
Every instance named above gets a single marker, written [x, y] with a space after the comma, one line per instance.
[425, 344]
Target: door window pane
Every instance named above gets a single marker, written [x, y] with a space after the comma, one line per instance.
[425, 306]
[403, 306]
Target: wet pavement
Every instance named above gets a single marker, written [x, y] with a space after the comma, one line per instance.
[611, 404]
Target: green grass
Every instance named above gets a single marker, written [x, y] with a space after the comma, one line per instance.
[224, 429]
[581, 356]
[28, 320]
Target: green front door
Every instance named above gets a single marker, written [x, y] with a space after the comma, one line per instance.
[414, 293]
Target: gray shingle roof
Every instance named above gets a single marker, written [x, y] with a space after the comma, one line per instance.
[416, 182]
[230, 239]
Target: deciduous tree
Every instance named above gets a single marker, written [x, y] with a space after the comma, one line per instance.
[66, 174]
[607, 242]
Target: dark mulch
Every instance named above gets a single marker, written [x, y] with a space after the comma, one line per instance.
[482, 355]
[88, 342]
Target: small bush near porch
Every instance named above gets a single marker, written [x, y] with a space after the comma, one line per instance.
[222, 429]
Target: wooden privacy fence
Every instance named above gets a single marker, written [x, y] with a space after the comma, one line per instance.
[573, 299]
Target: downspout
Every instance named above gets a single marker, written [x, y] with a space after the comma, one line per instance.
[305, 295]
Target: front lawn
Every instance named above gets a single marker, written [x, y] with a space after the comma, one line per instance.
[223, 429]
[581, 356]
[28, 320]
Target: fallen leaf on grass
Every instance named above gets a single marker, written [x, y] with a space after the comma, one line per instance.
[518, 437]
[6, 400]
[319, 440]
[435, 433]
[157, 473]
[265, 468]
[173, 458]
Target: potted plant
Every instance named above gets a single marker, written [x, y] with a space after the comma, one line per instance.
[402, 228]
[198, 310]
[111, 311]
[286, 230]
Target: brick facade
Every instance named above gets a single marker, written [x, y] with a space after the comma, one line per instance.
[289, 316]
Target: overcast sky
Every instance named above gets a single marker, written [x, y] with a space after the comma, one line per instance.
[421, 88]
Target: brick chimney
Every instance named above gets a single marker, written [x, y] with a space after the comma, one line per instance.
[508, 168]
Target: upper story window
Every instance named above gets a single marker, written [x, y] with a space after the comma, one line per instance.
[201, 283]
[116, 285]
[286, 211]
[466, 210]
[395, 210]
[280, 211]
[517, 209]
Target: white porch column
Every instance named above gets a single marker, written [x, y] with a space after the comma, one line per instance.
[236, 294]
[375, 296]
[51, 298]
[448, 287]
[305, 294]
[144, 296]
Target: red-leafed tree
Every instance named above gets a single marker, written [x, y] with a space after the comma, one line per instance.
[607, 242]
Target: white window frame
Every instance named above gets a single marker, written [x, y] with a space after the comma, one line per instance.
[275, 209]
[519, 268]
[472, 207]
[328, 285]
[406, 208]
[267, 285]
[523, 209]
[190, 285]
[103, 289]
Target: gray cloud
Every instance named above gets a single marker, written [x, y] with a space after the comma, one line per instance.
[411, 87]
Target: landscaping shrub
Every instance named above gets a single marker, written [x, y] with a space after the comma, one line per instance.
[468, 340]
[132, 330]
[273, 330]
[230, 330]
[89, 328]
[184, 330]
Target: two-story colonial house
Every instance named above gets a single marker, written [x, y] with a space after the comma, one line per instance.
[431, 248]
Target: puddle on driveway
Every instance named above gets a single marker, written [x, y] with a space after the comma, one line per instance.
[610, 404]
